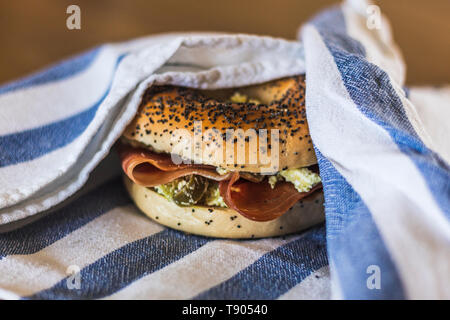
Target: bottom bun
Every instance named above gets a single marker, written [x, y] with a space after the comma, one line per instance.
[224, 222]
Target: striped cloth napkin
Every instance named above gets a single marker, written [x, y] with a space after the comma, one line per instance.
[384, 160]
[71, 232]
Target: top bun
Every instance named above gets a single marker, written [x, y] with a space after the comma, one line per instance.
[168, 121]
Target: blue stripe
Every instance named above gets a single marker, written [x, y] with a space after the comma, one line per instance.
[275, 272]
[354, 242]
[59, 71]
[56, 225]
[331, 26]
[31, 144]
[331, 16]
[121, 267]
[371, 90]
[407, 91]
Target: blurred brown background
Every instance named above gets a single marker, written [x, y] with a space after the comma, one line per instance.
[34, 34]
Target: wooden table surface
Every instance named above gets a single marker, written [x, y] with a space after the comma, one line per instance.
[34, 33]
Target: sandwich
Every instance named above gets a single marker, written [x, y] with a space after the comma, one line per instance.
[228, 163]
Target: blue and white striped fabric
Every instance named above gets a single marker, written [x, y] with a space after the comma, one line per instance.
[386, 175]
[386, 179]
[123, 255]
